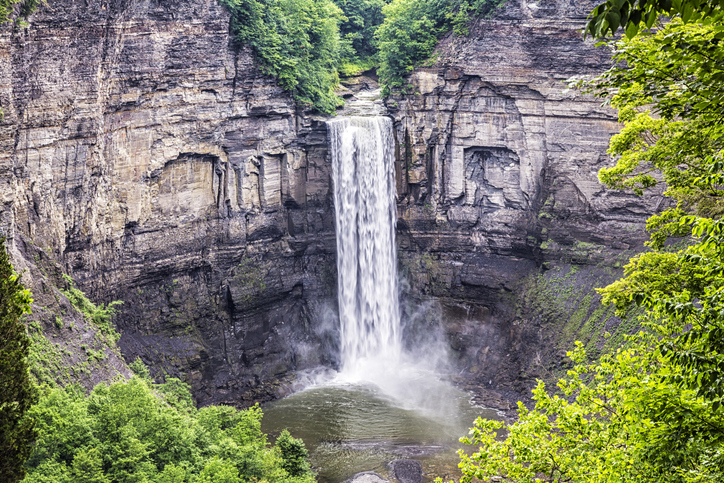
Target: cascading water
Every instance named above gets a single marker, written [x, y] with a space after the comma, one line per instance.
[364, 194]
[385, 403]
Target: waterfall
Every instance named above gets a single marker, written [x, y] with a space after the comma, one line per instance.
[363, 170]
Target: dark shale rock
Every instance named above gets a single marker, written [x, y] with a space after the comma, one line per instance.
[406, 471]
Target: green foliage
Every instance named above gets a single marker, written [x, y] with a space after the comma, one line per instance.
[297, 41]
[653, 410]
[684, 289]
[305, 43]
[101, 315]
[17, 393]
[294, 454]
[27, 8]
[140, 369]
[136, 431]
[412, 28]
[177, 393]
[620, 419]
[632, 15]
[669, 97]
[357, 30]
[675, 72]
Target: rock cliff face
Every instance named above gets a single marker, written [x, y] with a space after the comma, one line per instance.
[145, 156]
[497, 176]
[148, 158]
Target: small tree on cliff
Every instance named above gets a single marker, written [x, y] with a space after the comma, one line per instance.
[27, 7]
[17, 393]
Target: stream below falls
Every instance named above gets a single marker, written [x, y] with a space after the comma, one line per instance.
[353, 427]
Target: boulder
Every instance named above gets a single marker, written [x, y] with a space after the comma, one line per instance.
[406, 471]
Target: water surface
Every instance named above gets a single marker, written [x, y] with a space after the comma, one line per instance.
[353, 427]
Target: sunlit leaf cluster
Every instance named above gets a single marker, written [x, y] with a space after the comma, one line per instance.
[633, 15]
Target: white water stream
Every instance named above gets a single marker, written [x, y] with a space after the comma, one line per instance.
[364, 194]
[385, 403]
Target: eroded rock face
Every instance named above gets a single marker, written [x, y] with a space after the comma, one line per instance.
[150, 159]
[147, 157]
[497, 175]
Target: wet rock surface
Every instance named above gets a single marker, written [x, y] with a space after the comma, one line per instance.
[406, 471]
[367, 477]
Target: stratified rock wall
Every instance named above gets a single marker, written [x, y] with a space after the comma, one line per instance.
[497, 175]
[150, 159]
[146, 156]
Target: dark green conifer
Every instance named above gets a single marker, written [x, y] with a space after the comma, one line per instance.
[17, 393]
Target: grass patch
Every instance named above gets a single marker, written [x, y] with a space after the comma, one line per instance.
[100, 315]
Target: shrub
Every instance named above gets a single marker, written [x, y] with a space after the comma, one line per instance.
[297, 41]
[100, 315]
[294, 454]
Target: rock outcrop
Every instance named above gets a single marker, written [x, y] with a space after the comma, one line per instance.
[146, 155]
[497, 176]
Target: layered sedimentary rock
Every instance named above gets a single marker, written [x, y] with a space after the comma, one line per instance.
[146, 155]
[497, 176]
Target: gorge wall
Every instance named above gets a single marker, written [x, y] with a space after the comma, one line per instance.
[152, 162]
[146, 156]
[498, 165]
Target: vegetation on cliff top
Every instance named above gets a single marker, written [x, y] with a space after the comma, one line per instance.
[651, 411]
[304, 43]
[297, 41]
[412, 29]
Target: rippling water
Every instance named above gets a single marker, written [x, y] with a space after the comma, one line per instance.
[349, 428]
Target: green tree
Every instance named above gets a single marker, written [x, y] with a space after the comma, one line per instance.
[17, 393]
[411, 30]
[670, 96]
[358, 47]
[621, 419]
[294, 454]
[88, 467]
[653, 410]
[297, 41]
[26, 9]
[408, 36]
[137, 431]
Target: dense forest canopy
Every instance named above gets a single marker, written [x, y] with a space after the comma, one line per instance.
[138, 431]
